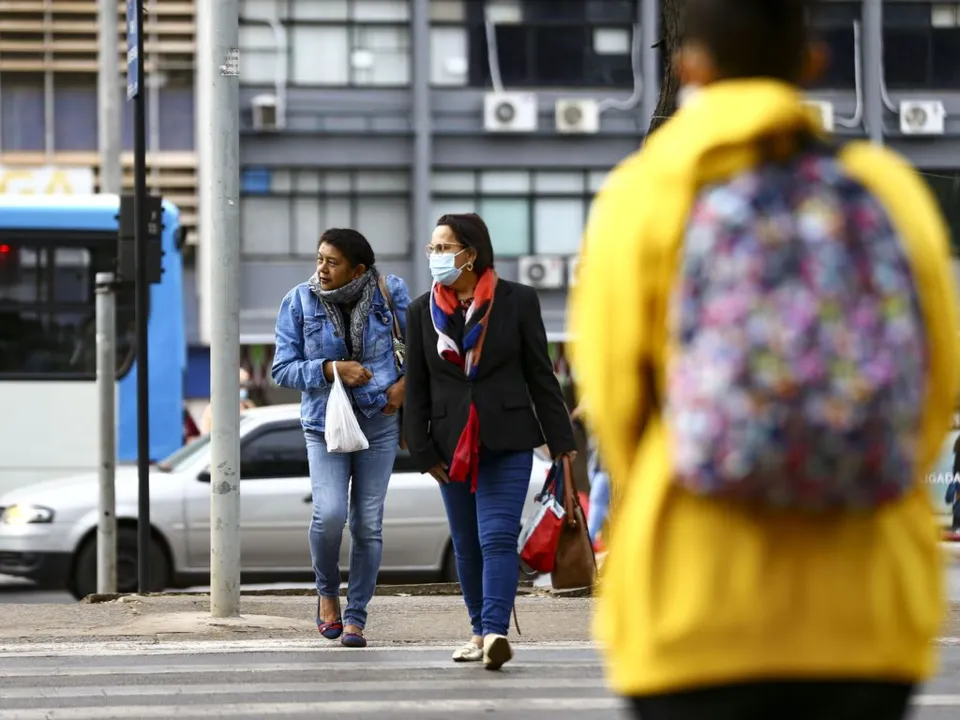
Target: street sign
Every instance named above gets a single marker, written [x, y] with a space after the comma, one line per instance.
[133, 55]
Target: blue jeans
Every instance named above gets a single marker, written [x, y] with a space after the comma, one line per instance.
[485, 527]
[334, 493]
[599, 503]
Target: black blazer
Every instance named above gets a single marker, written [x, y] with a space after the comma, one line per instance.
[517, 395]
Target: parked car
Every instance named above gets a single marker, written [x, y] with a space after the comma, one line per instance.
[48, 530]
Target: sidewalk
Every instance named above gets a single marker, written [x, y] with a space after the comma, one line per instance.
[396, 618]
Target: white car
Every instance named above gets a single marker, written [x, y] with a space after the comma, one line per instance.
[48, 530]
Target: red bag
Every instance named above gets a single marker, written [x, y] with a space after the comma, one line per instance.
[538, 542]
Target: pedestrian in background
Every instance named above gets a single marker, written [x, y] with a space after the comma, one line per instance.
[762, 568]
[481, 395]
[341, 320]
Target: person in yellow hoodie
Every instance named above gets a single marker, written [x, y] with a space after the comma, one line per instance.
[715, 609]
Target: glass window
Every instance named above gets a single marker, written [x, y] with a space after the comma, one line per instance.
[946, 186]
[307, 223]
[921, 45]
[265, 225]
[281, 181]
[558, 226]
[381, 10]
[308, 181]
[75, 119]
[22, 117]
[381, 55]
[272, 8]
[595, 181]
[275, 453]
[47, 305]
[453, 182]
[504, 182]
[557, 43]
[319, 55]
[448, 56]
[337, 182]
[833, 22]
[386, 224]
[451, 206]
[558, 182]
[382, 181]
[320, 9]
[448, 10]
[258, 50]
[509, 224]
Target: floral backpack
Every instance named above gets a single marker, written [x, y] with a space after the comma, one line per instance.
[798, 370]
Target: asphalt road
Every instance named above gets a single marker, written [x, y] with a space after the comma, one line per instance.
[305, 680]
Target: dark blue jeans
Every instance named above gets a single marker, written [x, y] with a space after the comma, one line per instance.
[485, 527]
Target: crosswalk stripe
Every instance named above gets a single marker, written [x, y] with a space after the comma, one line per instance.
[344, 707]
[317, 709]
[380, 665]
[465, 682]
[208, 647]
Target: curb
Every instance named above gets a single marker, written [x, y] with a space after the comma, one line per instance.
[524, 589]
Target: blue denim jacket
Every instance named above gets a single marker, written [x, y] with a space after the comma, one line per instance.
[305, 341]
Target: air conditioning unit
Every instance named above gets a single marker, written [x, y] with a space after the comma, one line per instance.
[573, 264]
[510, 112]
[580, 116]
[545, 273]
[824, 110]
[264, 113]
[922, 117]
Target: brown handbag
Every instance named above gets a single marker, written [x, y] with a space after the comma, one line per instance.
[576, 564]
[399, 348]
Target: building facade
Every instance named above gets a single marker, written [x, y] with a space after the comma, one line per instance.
[384, 114]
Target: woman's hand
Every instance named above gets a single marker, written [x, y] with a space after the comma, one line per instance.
[439, 473]
[352, 373]
[395, 394]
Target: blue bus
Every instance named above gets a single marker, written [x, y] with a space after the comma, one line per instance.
[51, 248]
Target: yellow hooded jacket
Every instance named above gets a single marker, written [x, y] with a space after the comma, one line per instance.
[697, 592]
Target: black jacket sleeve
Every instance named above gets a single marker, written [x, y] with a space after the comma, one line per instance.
[541, 380]
[417, 401]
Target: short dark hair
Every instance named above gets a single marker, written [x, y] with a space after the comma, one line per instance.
[472, 231]
[354, 246]
[751, 38]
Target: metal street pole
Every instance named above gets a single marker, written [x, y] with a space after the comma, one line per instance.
[218, 42]
[135, 93]
[108, 97]
[106, 377]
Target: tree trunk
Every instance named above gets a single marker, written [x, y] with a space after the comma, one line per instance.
[671, 25]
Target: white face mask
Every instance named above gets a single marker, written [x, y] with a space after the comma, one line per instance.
[686, 94]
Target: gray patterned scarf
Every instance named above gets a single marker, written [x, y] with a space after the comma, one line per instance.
[360, 292]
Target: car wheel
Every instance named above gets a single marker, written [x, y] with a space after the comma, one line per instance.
[450, 574]
[84, 580]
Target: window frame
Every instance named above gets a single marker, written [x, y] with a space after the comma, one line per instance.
[530, 197]
[102, 248]
[536, 26]
[351, 194]
[261, 432]
[934, 72]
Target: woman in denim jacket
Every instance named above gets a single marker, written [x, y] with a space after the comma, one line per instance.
[340, 317]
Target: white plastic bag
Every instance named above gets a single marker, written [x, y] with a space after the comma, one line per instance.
[342, 432]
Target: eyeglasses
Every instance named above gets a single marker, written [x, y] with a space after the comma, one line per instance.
[442, 249]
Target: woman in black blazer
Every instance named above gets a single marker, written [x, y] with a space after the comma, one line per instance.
[481, 395]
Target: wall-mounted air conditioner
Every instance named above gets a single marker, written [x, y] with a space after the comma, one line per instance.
[824, 110]
[264, 109]
[922, 117]
[510, 112]
[573, 264]
[545, 273]
[580, 116]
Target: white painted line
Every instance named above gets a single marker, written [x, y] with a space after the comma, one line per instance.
[319, 709]
[214, 647]
[236, 669]
[468, 681]
[937, 700]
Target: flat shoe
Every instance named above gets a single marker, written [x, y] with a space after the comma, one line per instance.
[468, 652]
[496, 652]
[353, 640]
